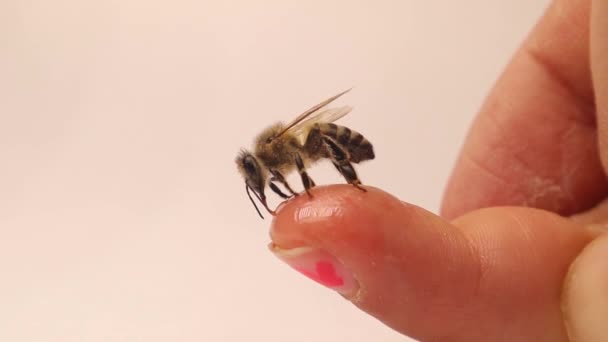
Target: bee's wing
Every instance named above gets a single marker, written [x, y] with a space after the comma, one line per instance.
[298, 120]
[328, 115]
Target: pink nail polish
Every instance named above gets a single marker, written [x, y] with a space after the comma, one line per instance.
[319, 266]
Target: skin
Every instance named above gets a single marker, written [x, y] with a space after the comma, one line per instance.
[519, 251]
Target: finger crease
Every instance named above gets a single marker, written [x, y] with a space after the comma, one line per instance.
[585, 103]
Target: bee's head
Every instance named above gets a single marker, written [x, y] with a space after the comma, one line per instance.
[254, 175]
[252, 171]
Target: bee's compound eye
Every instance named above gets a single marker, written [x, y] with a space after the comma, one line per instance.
[249, 164]
[269, 140]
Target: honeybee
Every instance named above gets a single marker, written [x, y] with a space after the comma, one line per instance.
[283, 148]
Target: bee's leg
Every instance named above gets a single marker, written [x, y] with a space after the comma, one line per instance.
[340, 160]
[261, 197]
[277, 191]
[306, 180]
[277, 176]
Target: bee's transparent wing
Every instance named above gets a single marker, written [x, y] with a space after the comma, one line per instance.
[328, 115]
[315, 109]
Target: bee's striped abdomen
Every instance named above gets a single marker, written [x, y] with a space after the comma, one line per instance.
[359, 148]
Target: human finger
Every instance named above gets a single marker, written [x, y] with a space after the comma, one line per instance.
[492, 275]
[534, 142]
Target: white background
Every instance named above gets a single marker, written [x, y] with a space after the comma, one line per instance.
[122, 216]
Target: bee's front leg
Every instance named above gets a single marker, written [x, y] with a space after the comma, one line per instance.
[277, 191]
[277, 176]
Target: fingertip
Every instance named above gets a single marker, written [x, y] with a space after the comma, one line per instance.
[343, 205]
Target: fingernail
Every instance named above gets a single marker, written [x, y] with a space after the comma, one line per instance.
[319, 266]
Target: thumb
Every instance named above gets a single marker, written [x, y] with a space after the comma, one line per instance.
[494, 275]
[586, 292]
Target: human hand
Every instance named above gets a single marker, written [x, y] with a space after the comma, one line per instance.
[519, 254]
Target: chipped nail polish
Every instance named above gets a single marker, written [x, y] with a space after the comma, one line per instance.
[319, 266]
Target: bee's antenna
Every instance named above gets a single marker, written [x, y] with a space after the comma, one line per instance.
[251, 199]
[311, 110]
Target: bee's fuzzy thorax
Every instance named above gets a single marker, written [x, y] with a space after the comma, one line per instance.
[269, 132]
[276, 152]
